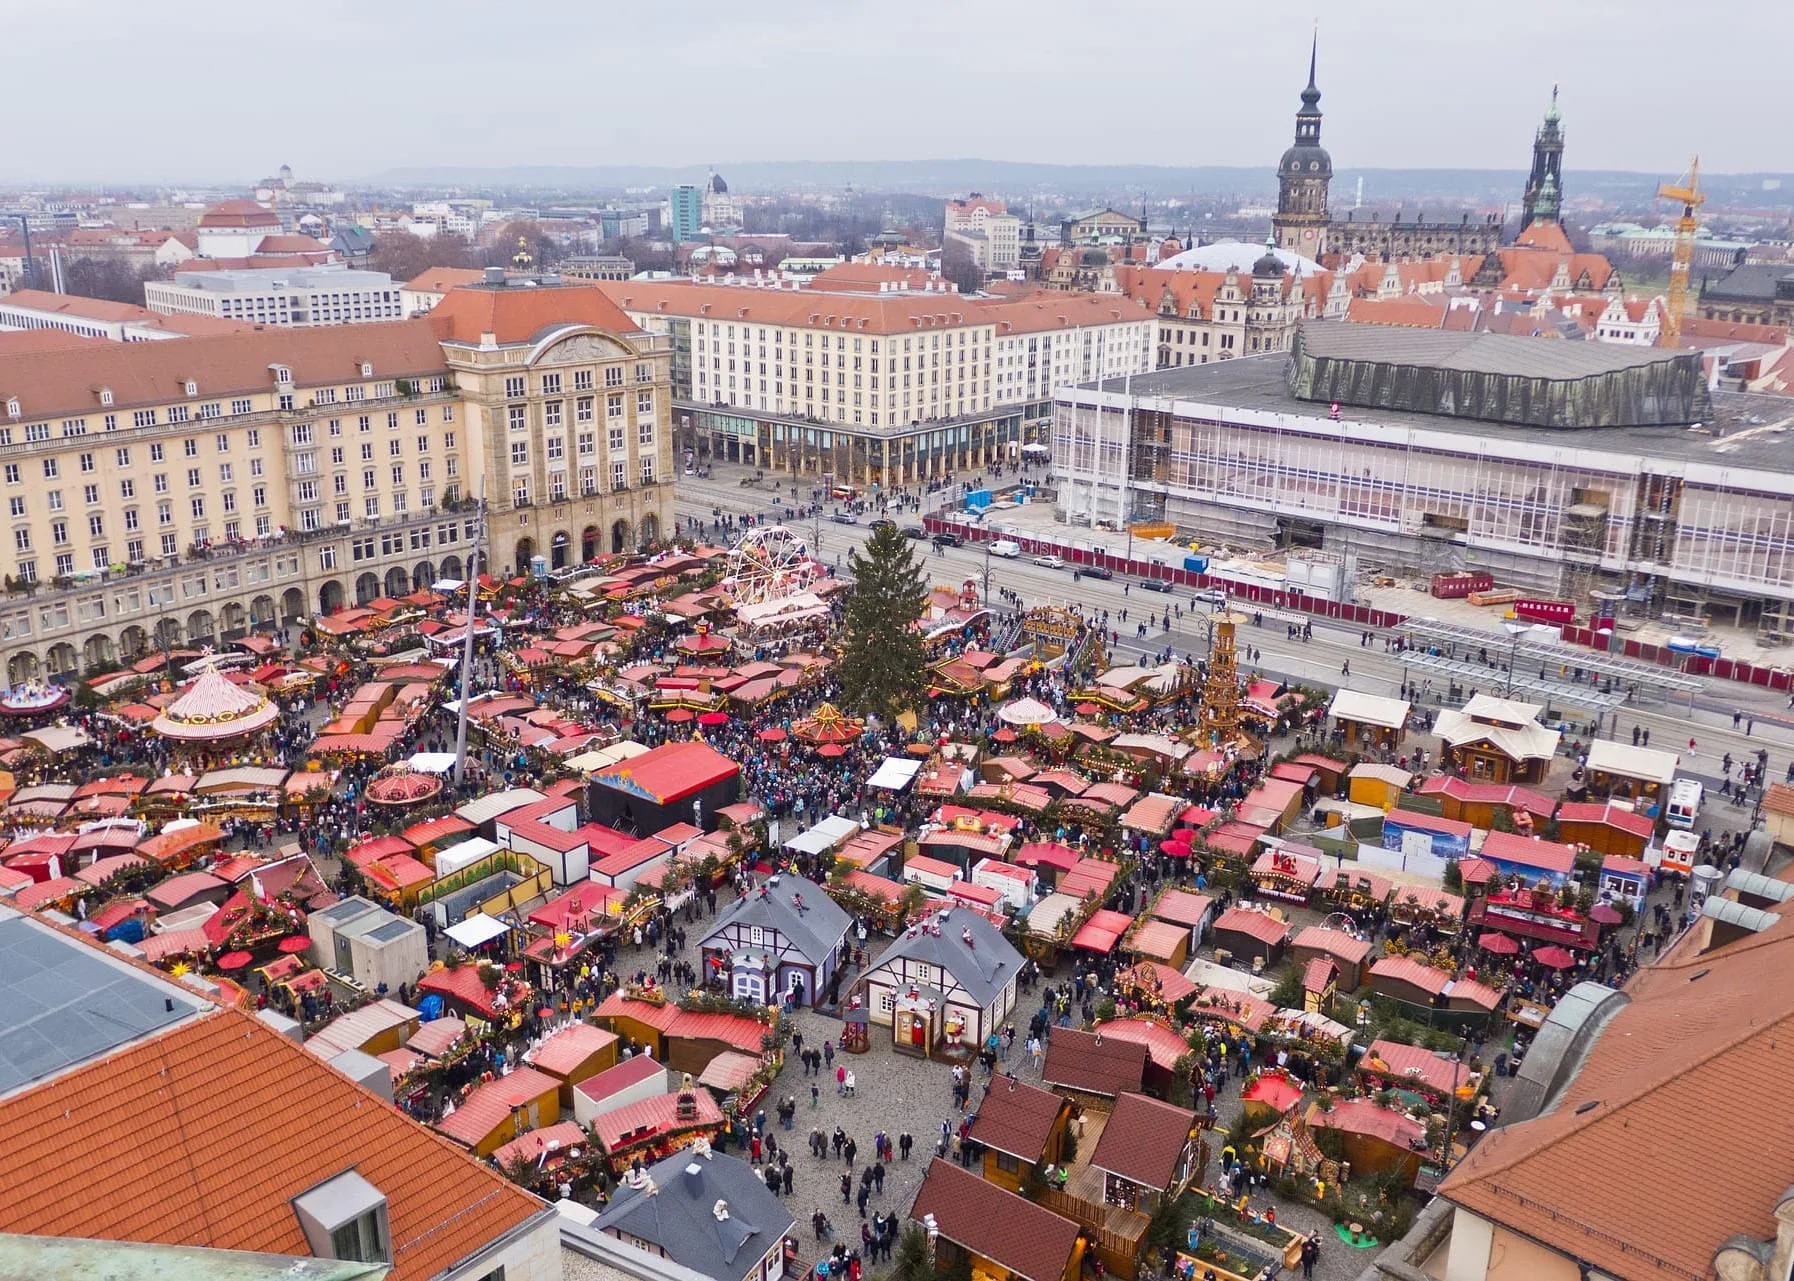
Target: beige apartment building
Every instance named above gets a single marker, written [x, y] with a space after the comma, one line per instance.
[161, 494]
[877, 388]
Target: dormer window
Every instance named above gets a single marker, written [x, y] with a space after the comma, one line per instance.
[345, 1218]
[282, 374]
[367, 370]
[105, 395]
[13, 409]
[192, 388]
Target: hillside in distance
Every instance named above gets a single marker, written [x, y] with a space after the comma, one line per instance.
[1382, 187]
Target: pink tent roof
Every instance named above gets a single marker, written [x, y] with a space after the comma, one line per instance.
[214, 708]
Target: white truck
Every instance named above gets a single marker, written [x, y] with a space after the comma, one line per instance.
[1685, 796]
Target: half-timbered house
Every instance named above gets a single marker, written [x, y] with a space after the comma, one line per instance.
[783, 940]
[948, 979]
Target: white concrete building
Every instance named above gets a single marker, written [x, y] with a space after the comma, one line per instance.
[325, 295]
[31, 309]
[987, 229]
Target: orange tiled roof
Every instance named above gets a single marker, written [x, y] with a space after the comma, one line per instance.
[896, 313]
[1700, 1037]
[1544, 235]
[1411, 312]
[226, 1118]
[522, 315]
[156, 373]
[490, 1105]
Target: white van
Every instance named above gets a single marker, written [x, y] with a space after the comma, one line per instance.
[1007, 548]
[1684, 807]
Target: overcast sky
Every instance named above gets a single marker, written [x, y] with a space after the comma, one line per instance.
[185, 90]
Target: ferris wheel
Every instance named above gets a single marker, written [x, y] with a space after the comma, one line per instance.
[768, 563]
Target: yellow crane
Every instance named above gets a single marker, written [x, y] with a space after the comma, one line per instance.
[1688, 192]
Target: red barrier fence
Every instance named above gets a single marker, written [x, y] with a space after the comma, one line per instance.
[1360, 615]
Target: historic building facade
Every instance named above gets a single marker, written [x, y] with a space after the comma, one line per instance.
[1304, 224]
[876, 388]
[185, 493]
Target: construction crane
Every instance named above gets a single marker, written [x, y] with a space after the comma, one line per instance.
[1689, 193]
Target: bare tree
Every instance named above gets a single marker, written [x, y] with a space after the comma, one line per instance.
[112, 279]
[959, 267]
[544, 250]
[402, 255]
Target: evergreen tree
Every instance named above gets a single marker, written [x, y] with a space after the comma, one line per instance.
[883, 669]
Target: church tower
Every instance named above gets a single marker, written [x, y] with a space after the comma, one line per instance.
[1300, 224]
[1544, 188]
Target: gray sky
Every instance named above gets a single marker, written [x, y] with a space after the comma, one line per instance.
[181, 89]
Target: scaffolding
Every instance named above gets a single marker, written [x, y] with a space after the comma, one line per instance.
[1582, 538]
[1532, 660]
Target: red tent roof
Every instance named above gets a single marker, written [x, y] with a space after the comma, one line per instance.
[670, 772]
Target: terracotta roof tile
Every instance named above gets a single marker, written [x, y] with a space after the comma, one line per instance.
[156, 373]
[516, 315]
[1181, 907]
[1700, 1038]
[173, 1119]
[656, 1115]
[1402, 969]
[1017, 1119]
[1395, 1061]
[1164, 1046]
[1031, 1242]
[1338, 943]
[569, 1048]
[490, 1105]
[1258, 925]
[891, 313]
[1094, 1064]
[1362, 1116]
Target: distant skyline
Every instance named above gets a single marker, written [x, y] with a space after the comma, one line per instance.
[184, 92]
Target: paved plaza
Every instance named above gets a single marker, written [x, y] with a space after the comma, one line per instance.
[895, 1093]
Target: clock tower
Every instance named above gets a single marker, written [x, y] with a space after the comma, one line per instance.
[1303, 175]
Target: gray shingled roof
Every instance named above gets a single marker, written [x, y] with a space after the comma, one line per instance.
[983, 969]
[1748, 282]
[817, 929]
[1503, 354]
[679, 1216]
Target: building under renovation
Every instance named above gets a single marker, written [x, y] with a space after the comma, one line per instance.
[1567, 469]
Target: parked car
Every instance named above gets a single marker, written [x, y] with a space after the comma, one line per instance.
[844, 518]
[884, 522]
[914, 531]
[1096, 571]
[1156, 585]
[948, 539]
[1050, 562]
[1007, 548]
[1210, 595]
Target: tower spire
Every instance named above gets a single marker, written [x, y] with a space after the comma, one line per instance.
[1314, 50]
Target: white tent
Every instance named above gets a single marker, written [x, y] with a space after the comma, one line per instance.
[825, 836]
[897, 773]
[476, 930]
[1026, 711]
[432, 762]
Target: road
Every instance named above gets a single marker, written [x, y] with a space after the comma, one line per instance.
[1315, 662]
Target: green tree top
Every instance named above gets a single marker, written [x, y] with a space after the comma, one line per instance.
[883, 668]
